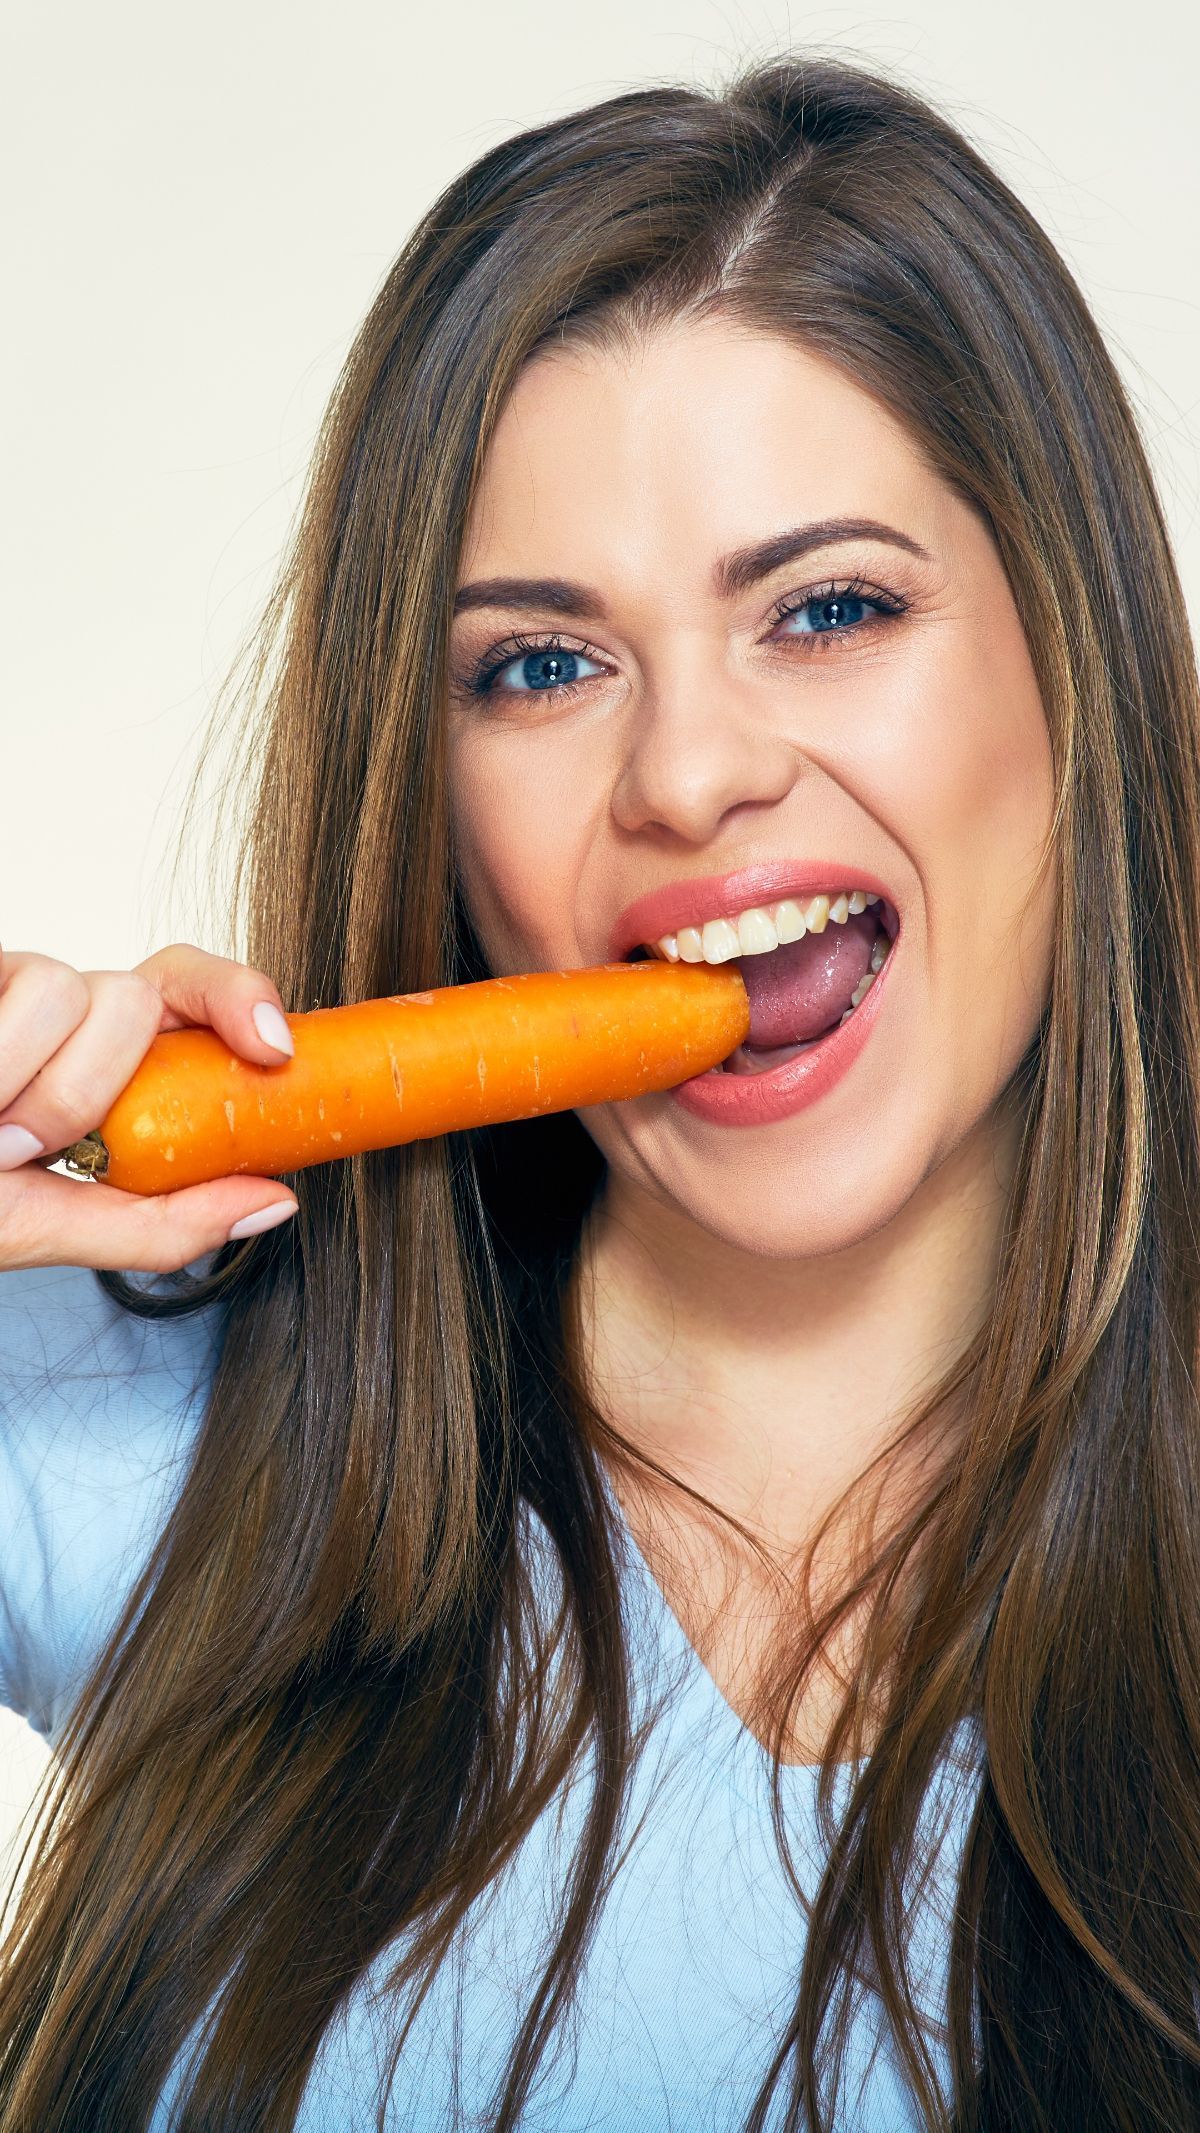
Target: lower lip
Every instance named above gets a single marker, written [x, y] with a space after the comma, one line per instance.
[759, 1099]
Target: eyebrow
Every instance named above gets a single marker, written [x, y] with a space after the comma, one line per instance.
[733, 573]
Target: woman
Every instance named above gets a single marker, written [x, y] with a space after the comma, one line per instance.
[461, 1608]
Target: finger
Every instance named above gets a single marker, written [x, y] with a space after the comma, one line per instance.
[240, 1003]
[47, 1219]
[41, 1003]
[76, 1088]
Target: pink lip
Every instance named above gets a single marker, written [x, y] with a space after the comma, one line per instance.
[689, 903]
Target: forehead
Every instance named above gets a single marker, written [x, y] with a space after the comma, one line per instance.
[703, 436]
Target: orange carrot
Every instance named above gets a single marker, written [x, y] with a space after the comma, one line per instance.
[383, 1072]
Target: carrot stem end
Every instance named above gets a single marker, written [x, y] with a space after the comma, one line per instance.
[88, 1158]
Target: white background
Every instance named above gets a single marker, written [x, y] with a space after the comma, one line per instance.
[202, 204]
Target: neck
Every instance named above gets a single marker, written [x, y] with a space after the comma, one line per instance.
[769, 1384]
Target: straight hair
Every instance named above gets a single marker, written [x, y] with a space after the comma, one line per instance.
[325, 1720]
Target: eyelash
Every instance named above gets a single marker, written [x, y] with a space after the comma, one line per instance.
[478, 680]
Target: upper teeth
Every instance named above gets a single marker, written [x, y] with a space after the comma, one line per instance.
[758, 930]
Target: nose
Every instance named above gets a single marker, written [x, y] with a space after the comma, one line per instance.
[702, 743]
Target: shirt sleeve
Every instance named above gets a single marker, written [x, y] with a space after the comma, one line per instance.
[99, 1411]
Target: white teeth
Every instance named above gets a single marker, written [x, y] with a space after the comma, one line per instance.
[759, 930]
[720, 939]
[756, 932]
[789, 921]
[763, 928]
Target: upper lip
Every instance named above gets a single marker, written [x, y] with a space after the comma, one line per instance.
[690, 903]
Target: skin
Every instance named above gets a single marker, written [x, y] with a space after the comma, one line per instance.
[762, 1304]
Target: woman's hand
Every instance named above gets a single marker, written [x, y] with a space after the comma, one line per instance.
[70, 1040]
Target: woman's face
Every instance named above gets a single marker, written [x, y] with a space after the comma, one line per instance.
[889, 727]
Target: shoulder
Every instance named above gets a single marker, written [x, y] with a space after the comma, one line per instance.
[57, 1313]
[98, 1415]
[80, 1375]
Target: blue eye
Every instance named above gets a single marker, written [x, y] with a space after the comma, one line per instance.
[836, 611]
[542, 667]
[547, 667]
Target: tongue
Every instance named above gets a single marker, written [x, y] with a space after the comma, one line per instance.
[804, 987]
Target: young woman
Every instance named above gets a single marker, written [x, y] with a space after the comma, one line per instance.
[686, 1613]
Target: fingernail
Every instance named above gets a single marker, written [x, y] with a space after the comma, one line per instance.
[272, 1028]
[262, 1218]
[18, 1145]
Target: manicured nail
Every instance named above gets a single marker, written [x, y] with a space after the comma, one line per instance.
[262, 1218]
[17, 1146]
[272, 1028]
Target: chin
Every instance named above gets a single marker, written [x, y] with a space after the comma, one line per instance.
[805, 1209]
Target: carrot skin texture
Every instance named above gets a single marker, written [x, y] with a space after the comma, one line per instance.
[383, 1072]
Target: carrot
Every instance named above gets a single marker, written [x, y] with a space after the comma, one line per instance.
[382, 1072]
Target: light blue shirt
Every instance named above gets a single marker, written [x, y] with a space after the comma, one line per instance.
[691, 1975]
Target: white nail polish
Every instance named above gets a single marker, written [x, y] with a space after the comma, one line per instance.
[262, 1218]
[272, 1028]
[18, 1145]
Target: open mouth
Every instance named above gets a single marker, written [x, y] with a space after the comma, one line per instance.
[807, 964]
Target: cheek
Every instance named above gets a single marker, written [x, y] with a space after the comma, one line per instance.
[993, 800]
[1015, 906]
[966, 779]
[520, 826]
[953, 759]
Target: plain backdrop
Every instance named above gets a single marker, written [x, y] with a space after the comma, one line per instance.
[201, 205]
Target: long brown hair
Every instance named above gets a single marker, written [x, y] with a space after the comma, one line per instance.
[330, 1722]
